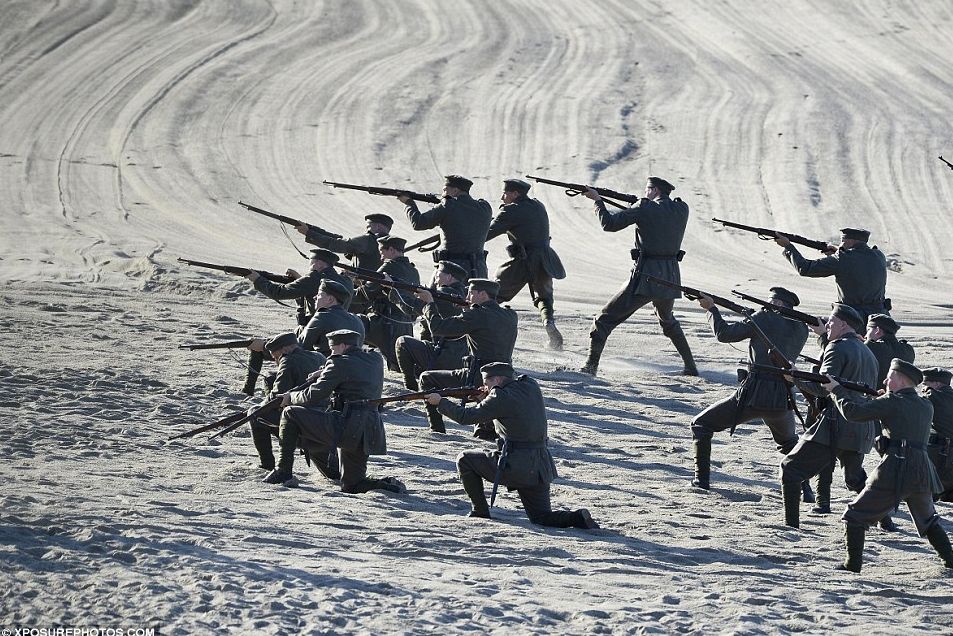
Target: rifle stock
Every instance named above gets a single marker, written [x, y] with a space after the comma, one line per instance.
[769, 234]
[858, 387]
[787, 312]
[239, 271]
[377, 277]
[228, 344]
[575, 189]
[386, 192]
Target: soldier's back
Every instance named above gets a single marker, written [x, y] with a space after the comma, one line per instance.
[942, 400]
[465, 224]
[495, 328]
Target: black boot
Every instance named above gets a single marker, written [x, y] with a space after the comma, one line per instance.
[854, 537]
[261, 435]
[408, 367]
[435, 419]
[941, 543]
[887, 524]
[546, 312]
[255, 360]
[702, 448]
[823, 497]
[582, 519]
[807, 494]
[473, 486]
[677, 336]
[596, 346]
[791, 493]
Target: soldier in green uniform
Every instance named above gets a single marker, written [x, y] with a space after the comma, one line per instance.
[761, 395]
[330, 315]
[522, 461]
[882, 341]
[305, 287]
[660, 226]
[386, 321]
[830, 437]
[937, 389]
[351, 429]
[463, 222]
[432, 352]
[532, 261]
[905, 473]
[859, 271]
[294, 366]
[361, 250]
[490, 330]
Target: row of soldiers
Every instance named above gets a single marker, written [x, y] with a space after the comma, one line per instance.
[489, 330]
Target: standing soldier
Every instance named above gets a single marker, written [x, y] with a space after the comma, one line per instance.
[386, 321]
[761, 395]
[330, 315]
[660, 226]
[304, 288]
[882, 341]
[432, 352]
[905, 473]
[938, 390]
[532, 261]
[830, 437]
[522, 462]
[490, 330]
[463, 222]
[859, 271]
[352, 429]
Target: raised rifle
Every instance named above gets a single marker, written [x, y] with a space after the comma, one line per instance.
[228, 344]
[575, 189]
[378, 277]
[768, 234]
[240, 271]
[948, 164]
[787, 312]
[859, 387]
[456, 392]
[278, 217]
[386, 192]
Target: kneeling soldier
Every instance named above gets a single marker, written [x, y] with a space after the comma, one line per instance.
[905, 473]
[349, 377]
[515, 405]
[938, 390]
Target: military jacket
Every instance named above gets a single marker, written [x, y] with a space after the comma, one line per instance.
[305, 287]
[847, 358]
[526, 222]
[942, 400]
[362, 250]
[903, 415]
[463, 222]
[762, 390]
[295, 367]
[660, 228]
[490, 329]
[519, 415]
[885, 350]
[324, 321]
[860, 274]
[399, 268]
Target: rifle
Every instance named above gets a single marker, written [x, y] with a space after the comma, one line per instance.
[456, 392]
[813, 361]
[240, 271]
[228, 344]
[859, 387]
[271, 405]
[694, 294]
[767, 234]
[225, 421]
[386, 192]
[948, 164]
[278, 217]
[377, 277]
[429, 244]
[787, 312]
[575, 189]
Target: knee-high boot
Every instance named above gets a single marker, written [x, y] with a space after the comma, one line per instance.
[473, 486]
[854, 538]
[702, 448]
[435, 419]
[596, 346]
[791, 493]
[677, 336]
[941, 543]
[546, 312]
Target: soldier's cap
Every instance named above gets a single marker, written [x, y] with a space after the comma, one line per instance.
[904, 367]
[854, 234]
[662, 185]
[849, 315]
[936, 374]
[345, 336]
[327, 256]
[449, 267]
[885, 322]
[491, 287]
[494, 369]
[393, 241]
[383, 219]
[516, 185]
[785, 296]
[280, 341]
[456, 181]
[334, 289]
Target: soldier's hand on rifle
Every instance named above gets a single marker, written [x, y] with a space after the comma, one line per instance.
[257, 344]
[433, 399]
[425, 296]
[830, 249]
[705, 302]
[292, 272]
[592, 194]
[252, 276]
[781, 240]
[403, 198]
[819, 329]
[303, 228]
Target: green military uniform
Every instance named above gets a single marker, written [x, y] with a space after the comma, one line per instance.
[324, 321]
[463, 222]
[519, 418]
[361, 250]
[305, 287]
[660, 228]
[888, 347]
[386, 321]
[941, 440]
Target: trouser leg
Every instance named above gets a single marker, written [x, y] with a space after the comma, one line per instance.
[413, 356]
[619, 308]
[430, 380]
[473, 467]
[538, 507]
[784, 431]
[354, 471]
[720, 416]
[261, 432]
[255, 360]
[672, 329]
[805, 460]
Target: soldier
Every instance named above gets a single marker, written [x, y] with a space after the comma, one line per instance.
[329, 316]
[761, 395]
[294, 366]
[532, 261]
[514, 403]
[882, 341]
[386, 321]
[490, 330]
[660, 226]
[361, 250]
[859, 271]
[305, 287]
[829, 437]
[351, 428]
[431, 352]
[937, 389]
[463, 222]
[905, 473]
